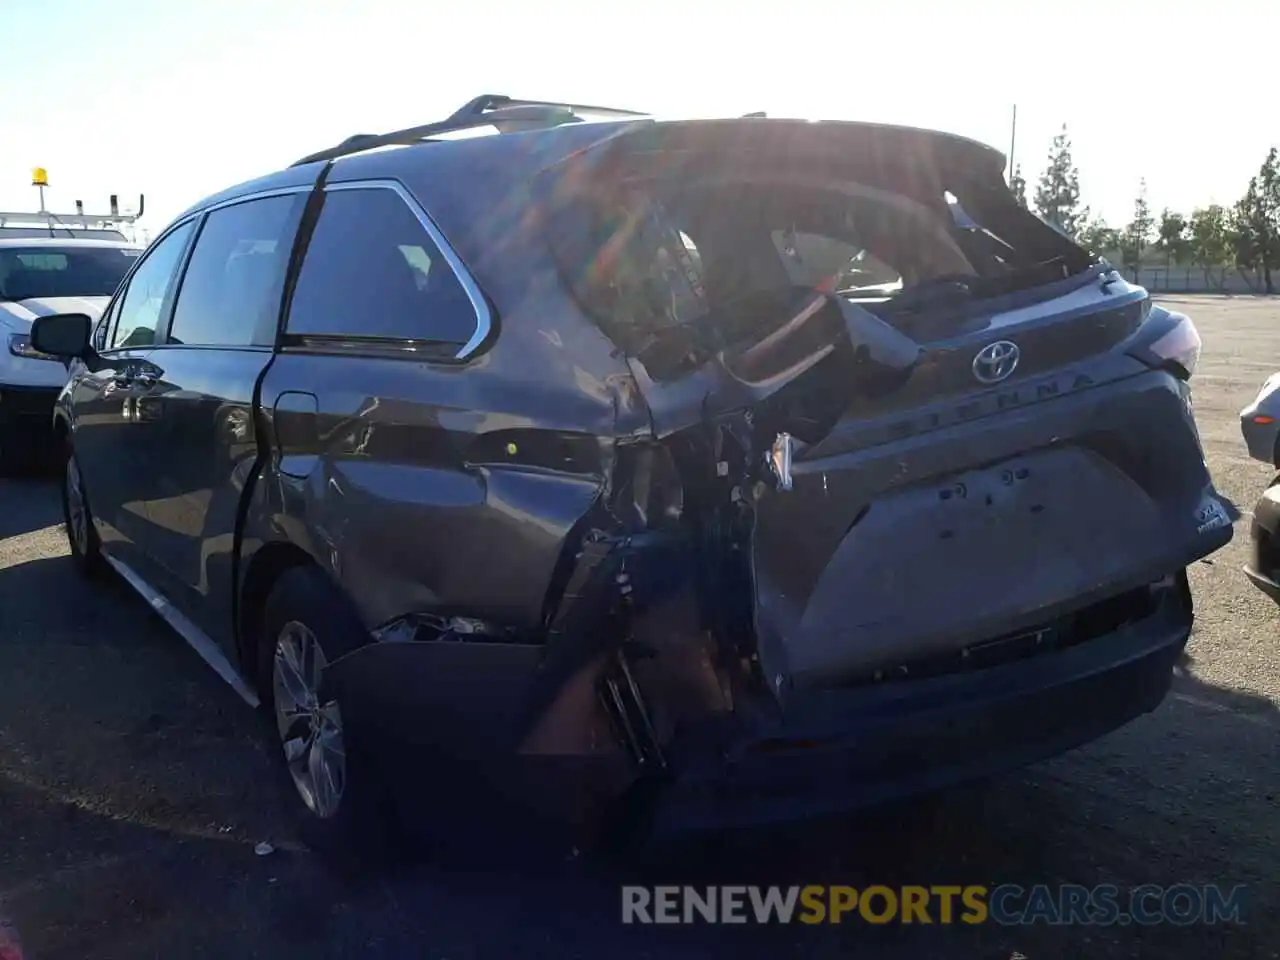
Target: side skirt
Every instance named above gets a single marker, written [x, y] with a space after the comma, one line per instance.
[197, 639]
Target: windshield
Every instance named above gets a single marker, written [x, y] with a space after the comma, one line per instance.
[54, 271]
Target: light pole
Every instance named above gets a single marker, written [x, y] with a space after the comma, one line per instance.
[1013, 140]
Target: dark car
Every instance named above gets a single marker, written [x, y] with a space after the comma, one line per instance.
[754, 467]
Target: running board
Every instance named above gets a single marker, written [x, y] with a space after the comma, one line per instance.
[197, 639]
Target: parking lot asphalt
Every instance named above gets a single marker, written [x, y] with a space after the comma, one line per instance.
[134, 787]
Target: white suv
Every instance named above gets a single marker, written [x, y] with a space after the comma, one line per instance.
[41, 276]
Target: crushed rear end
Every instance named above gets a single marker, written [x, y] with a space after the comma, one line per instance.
[922, 477]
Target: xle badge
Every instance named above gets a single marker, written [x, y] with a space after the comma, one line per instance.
[1211, 515]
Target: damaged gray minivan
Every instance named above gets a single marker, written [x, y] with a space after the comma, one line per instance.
[760, 468]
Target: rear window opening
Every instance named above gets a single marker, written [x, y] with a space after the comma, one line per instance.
[663, 265]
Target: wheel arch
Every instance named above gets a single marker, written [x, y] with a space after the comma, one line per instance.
[264, 569]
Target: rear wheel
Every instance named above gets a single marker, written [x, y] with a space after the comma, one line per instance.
[340, 799]
[82, 538]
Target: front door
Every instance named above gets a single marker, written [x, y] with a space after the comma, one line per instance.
[201, 441]
[109, 397]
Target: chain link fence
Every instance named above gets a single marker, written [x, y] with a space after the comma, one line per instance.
[1192, 279]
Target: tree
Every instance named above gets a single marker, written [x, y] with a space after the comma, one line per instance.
[1057, 197]
[1018, 187]
[1210, 244]
[1172, 237]
[1244, 237]
[1098, 238]
[1138, 232]
[1256, 223]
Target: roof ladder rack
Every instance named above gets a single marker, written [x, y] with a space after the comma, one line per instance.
[489, 110]
[70, 222]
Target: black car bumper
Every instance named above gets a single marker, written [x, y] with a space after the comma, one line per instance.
[868, 747]
[830, 751]
[29, 407]
[26, 419]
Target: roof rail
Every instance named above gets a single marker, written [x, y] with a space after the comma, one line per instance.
[489, 110]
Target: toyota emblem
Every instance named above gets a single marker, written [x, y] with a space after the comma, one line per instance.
[996, 361]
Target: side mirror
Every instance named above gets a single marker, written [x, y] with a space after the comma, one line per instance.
[63, 335]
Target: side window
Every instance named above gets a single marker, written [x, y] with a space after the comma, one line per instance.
[230, 292]
[372, 270]
[141, 306]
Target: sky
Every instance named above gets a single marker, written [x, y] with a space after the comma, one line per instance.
[179, 99]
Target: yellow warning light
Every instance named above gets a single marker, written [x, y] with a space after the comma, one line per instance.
[39, 177]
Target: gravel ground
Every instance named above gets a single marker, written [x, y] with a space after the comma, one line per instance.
[134, 786]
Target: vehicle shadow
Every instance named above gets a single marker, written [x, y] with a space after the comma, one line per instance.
[1182, 795]
[1233, 510]
[28, 503]
[1187, 686]
[135, 786]
[78, 881]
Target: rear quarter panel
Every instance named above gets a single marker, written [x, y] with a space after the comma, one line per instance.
[398, 477]
[393, 472]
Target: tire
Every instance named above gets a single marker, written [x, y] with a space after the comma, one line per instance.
[335, 789]
[77, 520]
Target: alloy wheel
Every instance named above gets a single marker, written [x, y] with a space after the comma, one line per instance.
[310, 730]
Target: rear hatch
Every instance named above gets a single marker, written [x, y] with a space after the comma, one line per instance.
[971, 426]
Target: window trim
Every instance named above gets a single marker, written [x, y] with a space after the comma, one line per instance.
[102, 330]
[479, 304]
[162, 335]
[117, 302]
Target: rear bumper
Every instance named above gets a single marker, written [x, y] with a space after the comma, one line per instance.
[1260, 438]
[1263, 565]
[843, 750]
[830, 751]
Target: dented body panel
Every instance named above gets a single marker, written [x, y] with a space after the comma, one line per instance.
[716, 523]
[664, 599]
[417, 505]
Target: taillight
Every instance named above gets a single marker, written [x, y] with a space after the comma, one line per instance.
[1168, 341]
